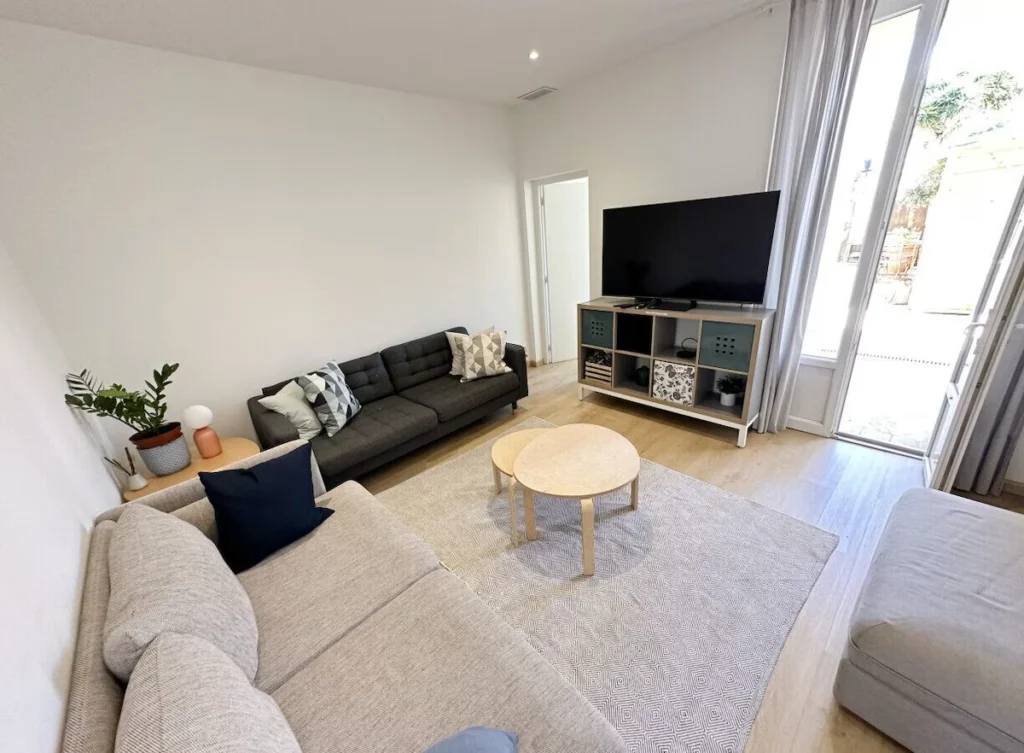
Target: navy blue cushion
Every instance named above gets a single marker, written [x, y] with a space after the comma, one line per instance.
[263, 508]
[477, 740]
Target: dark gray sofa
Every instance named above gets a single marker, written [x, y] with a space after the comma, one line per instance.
[408, 400]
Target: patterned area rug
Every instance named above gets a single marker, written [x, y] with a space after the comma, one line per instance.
[675, 636]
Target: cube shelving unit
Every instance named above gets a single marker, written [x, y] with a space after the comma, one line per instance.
[646, 366]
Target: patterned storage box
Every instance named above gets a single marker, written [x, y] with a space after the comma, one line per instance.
[674, 382]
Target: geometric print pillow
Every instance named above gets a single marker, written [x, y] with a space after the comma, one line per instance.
[455, 342]
[483, 355]
[332, 399]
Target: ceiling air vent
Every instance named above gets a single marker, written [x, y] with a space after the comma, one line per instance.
[537, 93]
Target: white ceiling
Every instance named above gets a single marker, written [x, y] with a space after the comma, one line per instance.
[465, 49]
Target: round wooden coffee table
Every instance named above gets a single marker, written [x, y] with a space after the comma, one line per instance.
[579, 461]
[503, 457]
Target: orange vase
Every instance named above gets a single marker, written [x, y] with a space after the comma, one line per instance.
[207, 442]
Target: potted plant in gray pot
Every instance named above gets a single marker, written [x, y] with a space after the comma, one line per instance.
[160, 444]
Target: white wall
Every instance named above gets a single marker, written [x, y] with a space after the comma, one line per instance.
[54, 484]
[246, 223]
[690, 120]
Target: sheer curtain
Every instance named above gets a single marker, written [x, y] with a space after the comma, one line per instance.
[826, 41]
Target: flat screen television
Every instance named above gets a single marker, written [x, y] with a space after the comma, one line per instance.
[703, 250]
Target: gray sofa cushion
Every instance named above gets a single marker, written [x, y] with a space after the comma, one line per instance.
[166, 576]
[95, 696]
[311, 593]
[940, 615]
[448, 397]
[187, 696]
[366, 376]
[439, 655]
[379, 426]
[419, 360]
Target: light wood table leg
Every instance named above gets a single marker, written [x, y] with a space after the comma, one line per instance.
[634, 493]
[587, 515]
[497, 479]
[512, 518]
[531, 521]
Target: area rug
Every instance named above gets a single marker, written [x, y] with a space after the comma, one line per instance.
[675, 636]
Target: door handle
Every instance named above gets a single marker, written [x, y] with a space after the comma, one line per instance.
[969, 327]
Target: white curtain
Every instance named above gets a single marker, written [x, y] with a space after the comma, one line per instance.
[826, 41]
[995, 436]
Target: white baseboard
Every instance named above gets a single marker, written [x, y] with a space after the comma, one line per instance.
[808, 426]
[1014, 487]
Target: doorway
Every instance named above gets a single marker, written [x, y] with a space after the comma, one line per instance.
[563, 243]
[920, 225]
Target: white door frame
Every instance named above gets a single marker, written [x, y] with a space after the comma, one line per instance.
[990, 346]
[929, 23]
[540, 263]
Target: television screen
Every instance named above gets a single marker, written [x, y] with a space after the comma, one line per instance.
[704, 250]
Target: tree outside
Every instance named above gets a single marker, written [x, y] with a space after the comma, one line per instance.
[967, 107]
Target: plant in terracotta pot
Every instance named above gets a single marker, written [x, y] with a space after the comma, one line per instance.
[730, 386]
[160, 444]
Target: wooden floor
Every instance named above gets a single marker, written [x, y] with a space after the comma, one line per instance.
[844, 488]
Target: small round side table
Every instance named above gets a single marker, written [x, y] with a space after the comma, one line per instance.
[503, 457]
[580, 461]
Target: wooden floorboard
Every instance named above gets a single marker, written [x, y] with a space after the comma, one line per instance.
[845, 488]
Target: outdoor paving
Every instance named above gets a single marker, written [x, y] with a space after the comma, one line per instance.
[899, 379]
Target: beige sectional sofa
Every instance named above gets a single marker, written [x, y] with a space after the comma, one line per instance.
[366, 642]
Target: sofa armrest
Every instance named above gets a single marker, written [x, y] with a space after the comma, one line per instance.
[515, 357]
[272, 429]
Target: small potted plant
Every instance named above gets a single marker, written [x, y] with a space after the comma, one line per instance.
[135, 479]
[160, 444]
[730, 386]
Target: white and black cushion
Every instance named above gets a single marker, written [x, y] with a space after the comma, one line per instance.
[483, 355]
[333, 402]
[457, 344]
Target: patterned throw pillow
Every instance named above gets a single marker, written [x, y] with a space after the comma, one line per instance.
[459, 351]
[483, 355]
[333, 401]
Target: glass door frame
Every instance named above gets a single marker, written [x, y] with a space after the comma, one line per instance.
[996, 325]
[926, 34]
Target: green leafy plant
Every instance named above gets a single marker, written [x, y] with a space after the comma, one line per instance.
[731, 384]
[947, 103]
[145, 412]
[922, 194]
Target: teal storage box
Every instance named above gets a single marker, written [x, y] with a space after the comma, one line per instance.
[596, 328]
[726, 345]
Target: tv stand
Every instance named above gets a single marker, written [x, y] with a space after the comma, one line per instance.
[634, 350]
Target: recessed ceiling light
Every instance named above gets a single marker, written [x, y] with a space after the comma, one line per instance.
[534, 55]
